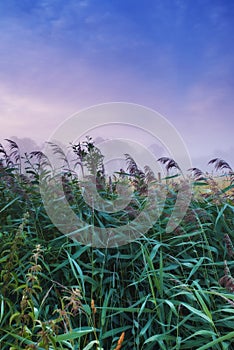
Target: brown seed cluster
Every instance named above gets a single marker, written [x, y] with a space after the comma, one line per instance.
[227, 281]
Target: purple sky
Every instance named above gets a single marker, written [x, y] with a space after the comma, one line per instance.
[175, 56]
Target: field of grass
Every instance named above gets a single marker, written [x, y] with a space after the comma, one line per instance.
[166, 291]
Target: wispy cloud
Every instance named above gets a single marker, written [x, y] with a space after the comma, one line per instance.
[175, 56]
[27, 116]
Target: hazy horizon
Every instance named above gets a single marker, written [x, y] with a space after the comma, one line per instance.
[27, 145]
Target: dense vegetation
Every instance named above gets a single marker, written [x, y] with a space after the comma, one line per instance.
[163, 291]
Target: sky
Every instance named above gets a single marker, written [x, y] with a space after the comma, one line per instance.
[175, 56]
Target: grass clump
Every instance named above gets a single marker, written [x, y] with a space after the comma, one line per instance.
[162, 291]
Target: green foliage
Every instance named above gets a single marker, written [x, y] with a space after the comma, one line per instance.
[163, 291]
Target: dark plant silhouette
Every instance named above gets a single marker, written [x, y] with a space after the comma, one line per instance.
[169, 164]
[90, 158]
[5, 159]
[138, 176]
[15, 154]
[198, 174]
[220, 164]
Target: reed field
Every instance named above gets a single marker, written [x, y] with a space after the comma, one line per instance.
[164, 290]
